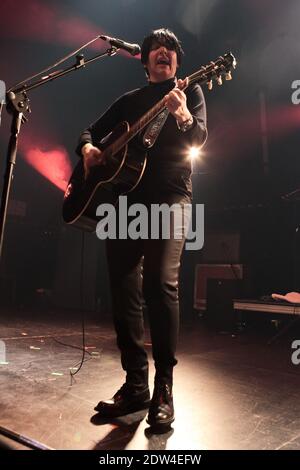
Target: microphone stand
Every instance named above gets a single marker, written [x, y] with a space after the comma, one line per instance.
[18, 105]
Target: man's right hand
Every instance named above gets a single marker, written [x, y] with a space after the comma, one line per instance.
[91, 157]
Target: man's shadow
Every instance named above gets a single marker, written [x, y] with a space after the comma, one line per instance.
[122, 434]
[158, 437]
[125, 429]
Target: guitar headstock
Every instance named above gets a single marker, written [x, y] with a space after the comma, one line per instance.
[215, 70]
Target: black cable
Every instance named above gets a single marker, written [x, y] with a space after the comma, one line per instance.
[83, 347]
[70, 345]
[82, 313]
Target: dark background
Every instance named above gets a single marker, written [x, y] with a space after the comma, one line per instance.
[242, 175]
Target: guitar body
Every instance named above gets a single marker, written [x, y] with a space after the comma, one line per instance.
[104, 184]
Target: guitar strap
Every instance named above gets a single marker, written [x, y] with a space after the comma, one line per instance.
[154, 128]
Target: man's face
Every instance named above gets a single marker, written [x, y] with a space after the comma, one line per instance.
[162, 63]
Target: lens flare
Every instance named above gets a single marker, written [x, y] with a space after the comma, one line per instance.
[194, 152]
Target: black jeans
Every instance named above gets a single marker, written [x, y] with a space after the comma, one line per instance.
[147, 269]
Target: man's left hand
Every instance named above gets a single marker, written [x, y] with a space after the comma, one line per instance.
[175, 102]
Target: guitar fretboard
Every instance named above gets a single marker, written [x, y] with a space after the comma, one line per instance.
[214, 70]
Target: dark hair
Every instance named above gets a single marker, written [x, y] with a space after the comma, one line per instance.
[164, 37]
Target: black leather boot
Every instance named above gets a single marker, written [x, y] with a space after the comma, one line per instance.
[127, 400]
[161, 411]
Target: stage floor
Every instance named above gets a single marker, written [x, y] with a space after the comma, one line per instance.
[231, 391]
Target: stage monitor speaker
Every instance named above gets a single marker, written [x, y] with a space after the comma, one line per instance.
[204, 272]
[220, 314]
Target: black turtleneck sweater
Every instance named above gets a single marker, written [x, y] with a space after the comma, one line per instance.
[169, 167]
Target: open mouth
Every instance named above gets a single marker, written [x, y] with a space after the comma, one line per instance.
[163, 61]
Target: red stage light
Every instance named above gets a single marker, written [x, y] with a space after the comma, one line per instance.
[53, 164]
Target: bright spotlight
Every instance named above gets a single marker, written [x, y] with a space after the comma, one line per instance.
[194, 152]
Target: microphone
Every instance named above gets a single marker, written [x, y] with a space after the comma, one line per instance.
[133, 49]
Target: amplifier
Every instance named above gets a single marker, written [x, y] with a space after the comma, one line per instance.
[203, 272]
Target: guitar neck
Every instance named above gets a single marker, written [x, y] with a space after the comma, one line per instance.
[206, 74]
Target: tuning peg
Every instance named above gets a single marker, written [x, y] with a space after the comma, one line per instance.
[219, 80]
[228, 76]
[210, 84]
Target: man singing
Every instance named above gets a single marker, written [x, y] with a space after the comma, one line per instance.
[149, 268]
